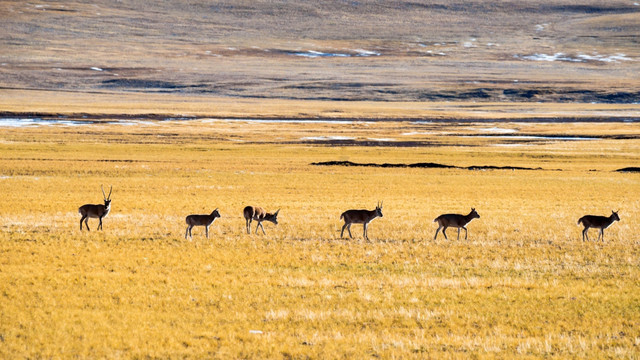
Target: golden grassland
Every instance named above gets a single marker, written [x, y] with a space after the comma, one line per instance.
[523, 284]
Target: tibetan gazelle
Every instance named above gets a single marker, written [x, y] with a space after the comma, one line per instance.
[455, 220]
[200, 220]
[598, 222]
[95, 210]
[359, 217]
[258, 214]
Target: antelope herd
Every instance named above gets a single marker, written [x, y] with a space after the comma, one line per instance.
[350, 217]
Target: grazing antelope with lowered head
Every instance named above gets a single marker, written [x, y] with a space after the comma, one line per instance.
[455, 220]
[200, 220]
[95, 210]
[363, 217]
[259, 214]
[598, 222]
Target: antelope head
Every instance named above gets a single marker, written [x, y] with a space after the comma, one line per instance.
[379, 209]
[274, 218]
[107, 199]
[474, 214]
[615, 216]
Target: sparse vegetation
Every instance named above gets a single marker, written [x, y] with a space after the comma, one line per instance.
[524, 284]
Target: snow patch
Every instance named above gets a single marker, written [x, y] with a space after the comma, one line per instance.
[325, 138]
[362, 52]
[317, 54]
[511, 145]
[534, 137]
[544, 57]
[320, 54]
[497, 130]
[413, 133]
[541, 27]
[603, 58]
[275, 121]
[578, 58]
[27, 122]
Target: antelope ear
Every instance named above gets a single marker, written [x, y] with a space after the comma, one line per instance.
[473, 209]
[277, 211]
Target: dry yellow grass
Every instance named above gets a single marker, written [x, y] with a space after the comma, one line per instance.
[523, 285]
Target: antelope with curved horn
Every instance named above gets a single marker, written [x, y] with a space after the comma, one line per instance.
[363, 217]
[200, 220]
[455, 220]
[598, 222]
[258, 214]
[95, 210]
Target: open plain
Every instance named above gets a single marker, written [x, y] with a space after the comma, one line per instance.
[523, 284]
[526, 111]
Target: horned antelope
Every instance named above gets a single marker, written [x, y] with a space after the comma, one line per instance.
[259, 214]
[455, 220]
[200, 220]
[359, 217]
[598, 222]
[95, 210]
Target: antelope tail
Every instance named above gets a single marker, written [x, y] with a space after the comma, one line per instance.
[580, 220]
[341, 216]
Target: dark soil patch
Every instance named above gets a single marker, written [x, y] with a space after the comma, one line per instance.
[100, 117]
[149, 84]
[629, 169]
[426, 165]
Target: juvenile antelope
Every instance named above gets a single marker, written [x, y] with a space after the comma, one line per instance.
[598, 222]
[259, 214]
[455, 220]
[359, 217]
[200, 220]
[95, 210]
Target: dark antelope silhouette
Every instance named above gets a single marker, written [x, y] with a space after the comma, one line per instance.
[455, 220]
[363, 217]
[95, 210]
[200, 220]
[598, 222]
[259, 214]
